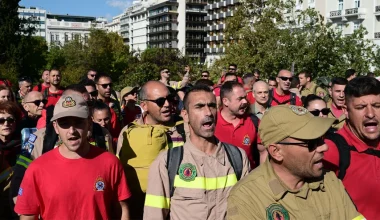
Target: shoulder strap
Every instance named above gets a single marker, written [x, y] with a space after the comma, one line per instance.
[235, 158]
[344, 153]
[255, 150]
[255, 121]
[292, 98]
[99, 137]
[174, 159]
[181, 130]
[45, 93]
[270, 98]
[39, 86]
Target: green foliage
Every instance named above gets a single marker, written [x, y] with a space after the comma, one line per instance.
[270, 35]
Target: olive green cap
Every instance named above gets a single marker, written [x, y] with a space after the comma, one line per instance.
[285, 121]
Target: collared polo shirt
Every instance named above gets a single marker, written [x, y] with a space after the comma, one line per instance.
[362, 178]
[255, 110]
[340, 120]
[262, 195]
[244, 135]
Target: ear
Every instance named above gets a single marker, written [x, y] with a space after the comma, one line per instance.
[277, 80]
[275, 152]
[26, 107]
[97, 87]
[308, 79]
[144, 106]
[185, 116]
[225, 101]
[55, 124]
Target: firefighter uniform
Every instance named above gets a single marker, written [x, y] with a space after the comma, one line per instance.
[202, 185]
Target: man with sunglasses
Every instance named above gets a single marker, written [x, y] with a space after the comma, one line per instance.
[281, 95]
[96, 173]
[90, 87]
[291, 183]
[205, 75]
[165, 79]
[33, 105]
[54, 92]
[354, 150]
[104, 86]
[91, 74]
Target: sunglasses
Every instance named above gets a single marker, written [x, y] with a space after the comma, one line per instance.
[38, 102]
[10, 120]
[325, 111]
[105, 86]
[204, 75]
[92, 75]
[284, 78]
[94, 93]
[231, 68]
[161, 101]
[310, 144]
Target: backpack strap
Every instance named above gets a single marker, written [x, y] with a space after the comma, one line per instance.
[255, 121]
[292, 98]
[99, 137]
[45, 93]
[270, 98]
[39, 86]
[181, 130]
[174, 159]
[235, 158]
[344, 152]
[255, 150]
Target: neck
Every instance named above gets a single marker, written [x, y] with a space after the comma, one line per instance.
[32, 116]
[53, 88]
[21, 93]
[148, 120]
[163, 80]
[247, 87]
[81, 152]
[104, 99]
[337, 107]
[228, 116]
[5, 139]
[308, 85]
[46, 84]
[261, 107]
[280, 91]
[206, 145]
[291, 181]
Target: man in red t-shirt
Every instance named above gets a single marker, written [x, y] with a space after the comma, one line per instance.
[45, 82]
[281, 95]
[249, 79]
[362, 133]
[234, 125]
[229, 77]
[336, 104]
[54, 92]
[75, 180]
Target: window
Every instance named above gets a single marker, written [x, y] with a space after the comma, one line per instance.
[52, 38]
[356, 25]
[339, 27]
[66, 37]
[57, 37]
[357, 3]
[340, 6]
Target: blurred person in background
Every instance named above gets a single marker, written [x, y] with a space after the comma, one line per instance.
[45, 82]
[316, 106]
[6, 94]
[129, 109]
[25, 86]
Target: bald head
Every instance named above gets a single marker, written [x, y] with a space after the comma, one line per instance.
[152, 87]
[33, 95]
[285, 73]
[261, 92]
[259, 85]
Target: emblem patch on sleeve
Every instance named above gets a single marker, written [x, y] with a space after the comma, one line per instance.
[277, 212]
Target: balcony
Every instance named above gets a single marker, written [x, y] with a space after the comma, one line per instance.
[377, 35]
[197, 2]
[196, 10]
[208, 18]
[207, 39]
[377, 10]
[157, 22]
[232, 2]
[207, 50]
[208, 7]
[199, 28]
[357, 12]
[335, 14]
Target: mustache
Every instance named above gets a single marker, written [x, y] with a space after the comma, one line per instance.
[208, 119]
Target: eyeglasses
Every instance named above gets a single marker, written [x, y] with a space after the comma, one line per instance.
[325, 111]
[161, 101]
[38, 102]
[231, 68]
[94, 93]
[92, 75]
[10, 120]
[310, 144]
[166, 71]
[105, 86]
[204, 75]
[284, 78]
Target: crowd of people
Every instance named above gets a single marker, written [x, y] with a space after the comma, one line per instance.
[286, 147]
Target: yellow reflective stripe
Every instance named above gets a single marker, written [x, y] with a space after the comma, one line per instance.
[360, 217]
[23, 161]
[206, 183]
[5, 174]
[176, 144]
[93, 143]
[160, 202]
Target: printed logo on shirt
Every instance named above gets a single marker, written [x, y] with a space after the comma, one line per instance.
[99, 184]
[20, 191]
[187, 172]
[246, 140]
[277, 212]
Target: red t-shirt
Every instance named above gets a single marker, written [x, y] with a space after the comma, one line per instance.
[250, 98]
[240, 80]
[284, 99]
[336, 112]
[52, 98]
[242, 136]
[35, 88]
[85, 188]
[362, 179]
[115, 124]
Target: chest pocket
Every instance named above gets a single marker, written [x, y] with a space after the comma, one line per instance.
[182, 194]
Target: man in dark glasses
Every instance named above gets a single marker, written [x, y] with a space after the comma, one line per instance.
[33, 105]
[281, 95]
[91, 88]
[293, 175]
[91, 74]
[205, 75]
[165, 79]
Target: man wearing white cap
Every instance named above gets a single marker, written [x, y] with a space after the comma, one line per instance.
[75, 180]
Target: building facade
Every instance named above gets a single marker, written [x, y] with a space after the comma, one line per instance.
[35, 17]
[217, 13]
[114, 26]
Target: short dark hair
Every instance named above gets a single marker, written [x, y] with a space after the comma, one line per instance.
[24, 79]
[99, 106]
[295, 81]
[256, 71]
[338, 81]
[272, 78]
[227, 88]
[349, 73]
[93, 70]
[362, 86]
[230, 74]
[196, 88]
[205, 71]
[162, 69]
[205, 82]
[370, 74]
[76, 88]
[233, 64]
[88, 82]
[101, 75]
[55, 69]
[307, 74]
[306, 101]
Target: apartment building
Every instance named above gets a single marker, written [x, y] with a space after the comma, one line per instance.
[36, 18]
[114, 26]
[217, 13]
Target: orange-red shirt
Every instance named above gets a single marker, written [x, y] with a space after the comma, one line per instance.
[244, 135]
[52, 98]
[35, 88]
[362, 179]
[284, 99]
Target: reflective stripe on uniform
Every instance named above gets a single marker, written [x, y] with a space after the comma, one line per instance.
[206, 183]
[5, 174]
[175, 144]
[160, 202]
[93, 143]
[360, 217]
[23, 161]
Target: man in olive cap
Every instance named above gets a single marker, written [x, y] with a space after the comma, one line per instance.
[291, 183]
